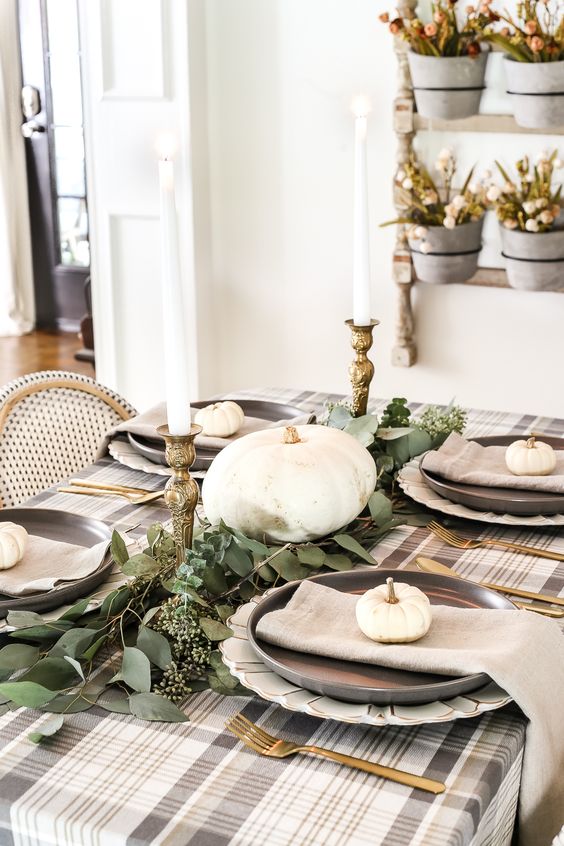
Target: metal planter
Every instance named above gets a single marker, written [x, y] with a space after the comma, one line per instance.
[453, 255]
[534, 260]
[536, 91]
[448, 87]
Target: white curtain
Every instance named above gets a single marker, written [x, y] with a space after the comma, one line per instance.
[17, 309]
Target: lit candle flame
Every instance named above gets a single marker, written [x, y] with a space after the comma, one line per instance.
[361, 105]
[166, 145]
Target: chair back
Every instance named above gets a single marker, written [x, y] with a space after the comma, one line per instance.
[51, 424]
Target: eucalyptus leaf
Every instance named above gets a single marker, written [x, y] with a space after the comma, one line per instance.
[155, 646]
[141, 565]
[238, 560]
[392, 433]
[352, 545]
[119, 549]
[154, 533]
[288, 566]
[249, 543]
[219, 687]
[73, 643]
[214, 580]
[115, 700]
[115, 602]
[419, 441]
[336, 561]
[53, 673]
[380, 508]
[27, 693]
[366, 423]
[151, 706]
[69, 703]
[136, 669]
[18, 656]
[339, 416]
[225, 611]
[313, 556]
[94, 648]
[76, 611]
[214, 630]
[399, 450]
[267, 573]
[47, 632]
[48, 728]
[24, 619]
[76, 665]
[148, 615]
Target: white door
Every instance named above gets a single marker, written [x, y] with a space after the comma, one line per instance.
[135, 62]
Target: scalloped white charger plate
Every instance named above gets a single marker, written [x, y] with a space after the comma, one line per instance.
[413, 484]
[245, 664]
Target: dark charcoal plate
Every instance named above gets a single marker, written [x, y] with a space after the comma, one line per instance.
[153, 448]
[351, 681]
[61, 526]
[499, 500]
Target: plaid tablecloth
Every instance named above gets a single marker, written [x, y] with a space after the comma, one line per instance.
[111, 780]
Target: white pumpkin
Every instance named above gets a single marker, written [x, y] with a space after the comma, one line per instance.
[13, 541]
[394, 613]
[289, 484]
[220, 419]
[530, 458]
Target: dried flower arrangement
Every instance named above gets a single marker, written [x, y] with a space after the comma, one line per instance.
[530, 203]
[426, 204]
[536, 35]
[448, 33]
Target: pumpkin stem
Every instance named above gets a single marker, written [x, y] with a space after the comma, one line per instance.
[531, 442]
[391, 597]
[291, 435]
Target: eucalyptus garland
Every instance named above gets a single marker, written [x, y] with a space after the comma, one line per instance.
[153, 641]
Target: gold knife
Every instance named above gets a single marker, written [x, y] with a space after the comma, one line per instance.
[431, 566]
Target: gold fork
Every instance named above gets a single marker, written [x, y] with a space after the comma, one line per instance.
[265, 744]
[452, 539]
[135, 499]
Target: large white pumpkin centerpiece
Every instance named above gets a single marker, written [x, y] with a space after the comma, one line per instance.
[289, 484]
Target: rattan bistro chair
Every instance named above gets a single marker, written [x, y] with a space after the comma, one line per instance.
[51, 424]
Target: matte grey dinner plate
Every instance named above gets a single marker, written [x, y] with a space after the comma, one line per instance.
[499, 500]
[153, 448]
[352, 681]
[59, 526]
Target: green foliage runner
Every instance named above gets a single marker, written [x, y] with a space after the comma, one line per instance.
[153, 641]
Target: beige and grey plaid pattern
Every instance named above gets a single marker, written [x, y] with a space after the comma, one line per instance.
[111, 780]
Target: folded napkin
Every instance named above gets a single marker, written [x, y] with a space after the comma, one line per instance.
[47, 563]
[466, 461]
[145, 426]
[523, 653]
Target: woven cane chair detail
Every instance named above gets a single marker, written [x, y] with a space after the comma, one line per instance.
[51, 424]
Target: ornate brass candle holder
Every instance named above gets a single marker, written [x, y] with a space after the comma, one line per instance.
[181, 491]
[361, 370]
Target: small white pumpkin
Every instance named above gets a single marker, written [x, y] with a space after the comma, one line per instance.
[530, 458]
[289, 484]
[394, 613]
[220, 419]
[13, 541]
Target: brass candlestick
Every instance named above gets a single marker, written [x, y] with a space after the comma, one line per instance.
[361, 370]
[181, 491]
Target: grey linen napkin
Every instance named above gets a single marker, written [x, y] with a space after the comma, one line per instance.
[145, 425]
[47, 563]
[466, 461]
[523, 653]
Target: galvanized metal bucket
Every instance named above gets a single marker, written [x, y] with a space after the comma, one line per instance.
[534, 260]
[536, 92]
[453, 253]
[448, 87]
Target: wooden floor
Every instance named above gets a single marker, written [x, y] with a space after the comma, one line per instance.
[40, 350]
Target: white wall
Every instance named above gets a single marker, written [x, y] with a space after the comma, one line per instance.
[280, 77]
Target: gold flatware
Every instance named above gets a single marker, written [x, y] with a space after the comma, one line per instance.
[265, 744]
[103, 486]
[135, 499]
[452, 539]
[431, 566]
